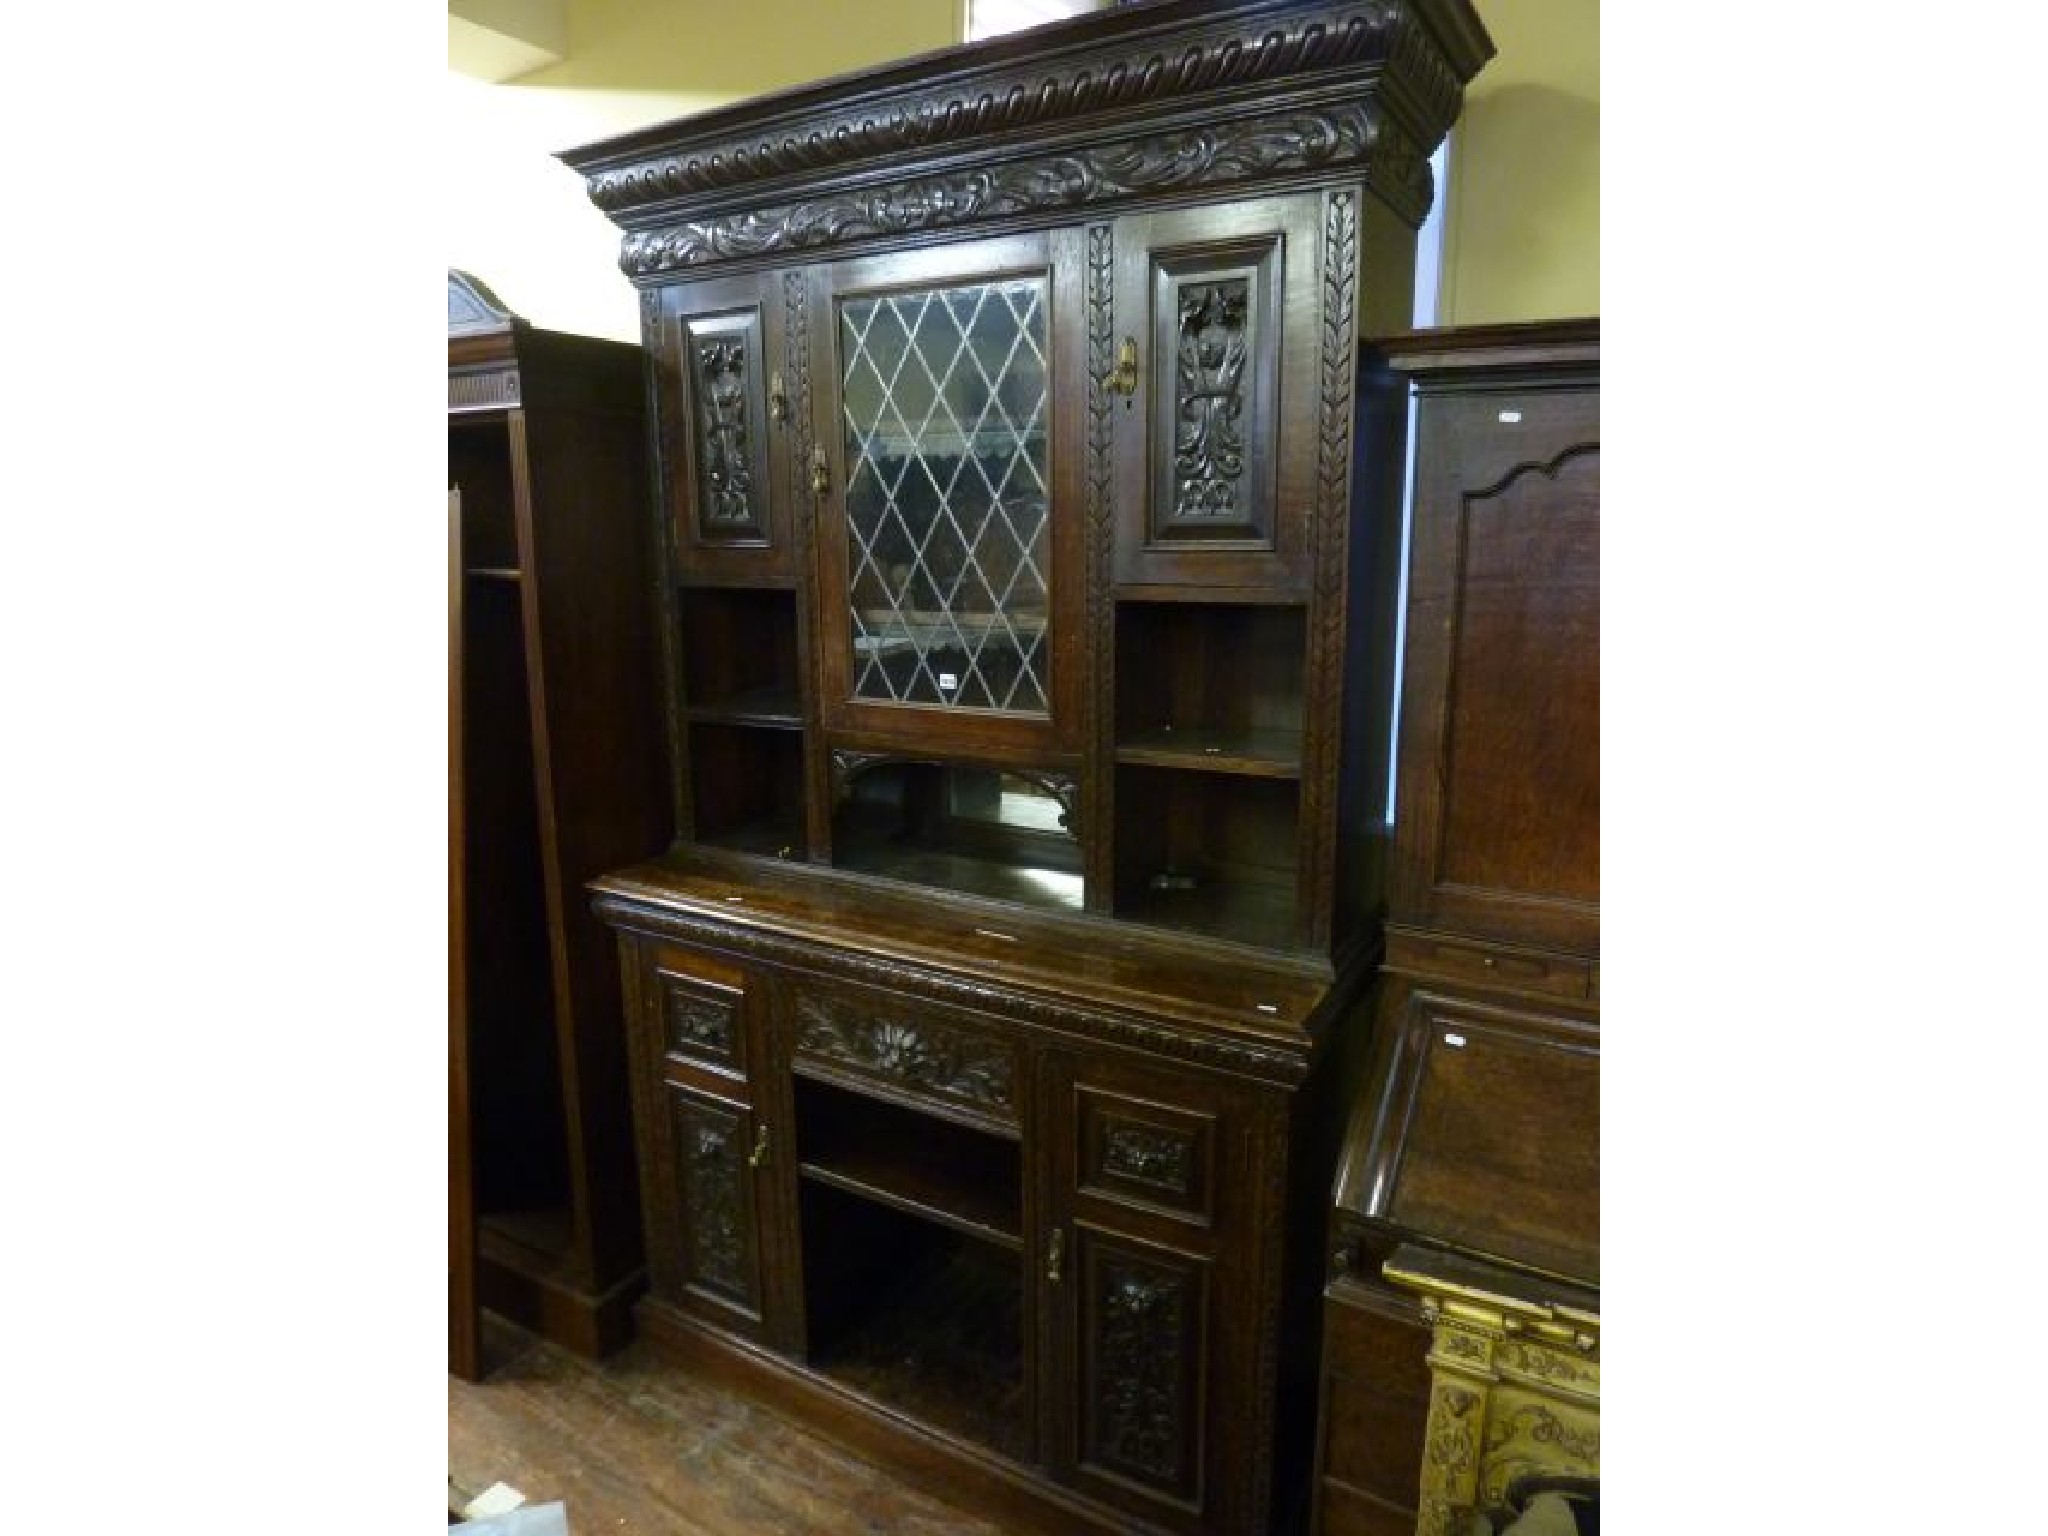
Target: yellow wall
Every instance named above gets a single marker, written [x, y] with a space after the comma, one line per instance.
[519, 219]
[1522, 238]
[1522, 224]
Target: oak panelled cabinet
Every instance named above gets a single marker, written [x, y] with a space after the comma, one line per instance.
[555, 749]
[1466, 1222]
[1028, 510]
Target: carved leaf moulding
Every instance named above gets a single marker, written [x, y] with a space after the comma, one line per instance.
[1041, 94]
[1210, 158]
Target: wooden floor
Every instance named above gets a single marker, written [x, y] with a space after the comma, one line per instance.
[633, 1447]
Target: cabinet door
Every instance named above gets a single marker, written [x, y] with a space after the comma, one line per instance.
[1220, 310]
[725, 409]
[719, 1217]
[949, 388]
[1151, 1279]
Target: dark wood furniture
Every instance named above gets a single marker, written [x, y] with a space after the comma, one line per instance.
[1475, 1137]
[555, 777]
[1028, 517]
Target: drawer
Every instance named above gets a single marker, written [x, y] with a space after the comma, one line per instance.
[1487, 965]
[931, 1059]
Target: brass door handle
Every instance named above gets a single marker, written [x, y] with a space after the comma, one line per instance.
[1123, 378]
[1053, 1254]
[760, 1153]
[821, 472]
[778, 399]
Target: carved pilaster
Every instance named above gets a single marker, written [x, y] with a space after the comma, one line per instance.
[1101, 799]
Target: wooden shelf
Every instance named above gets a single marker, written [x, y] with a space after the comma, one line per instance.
[965, 1180]
[922, 1192]
[1249, 754]
[1248, 911]
[772, 708]
[767, 838]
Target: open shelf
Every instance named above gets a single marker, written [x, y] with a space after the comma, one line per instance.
[480, 465]
[917, 1317]
[979, 831]
[739, 656]
[1209, 749]
[1208, 854]
[962, 1179]
[1211, 687]
[747, 784]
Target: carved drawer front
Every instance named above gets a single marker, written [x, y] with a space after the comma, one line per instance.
[1135, 1152]
[715, 1252]
[952, 1068]
[701, 1022]
[1143, 1367]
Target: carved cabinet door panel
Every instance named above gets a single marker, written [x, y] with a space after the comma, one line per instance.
[1151, 1404]
[719, 1213]
[1218, 390]
[726, 426]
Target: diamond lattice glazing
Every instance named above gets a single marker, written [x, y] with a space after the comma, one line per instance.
[944, 395]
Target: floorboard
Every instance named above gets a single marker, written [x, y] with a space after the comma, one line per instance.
[634, 1447]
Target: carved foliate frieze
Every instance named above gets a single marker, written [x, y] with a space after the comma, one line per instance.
[474, 391]
[1139, 1418]
[1209, 158]
[1450, 1455]
[1550, 1367]
[1101, 506]
[920, 1054]
[712, 1166]
[1210, 362]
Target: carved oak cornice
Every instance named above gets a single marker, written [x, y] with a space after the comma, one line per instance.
[1208, 158]
[1085, 114]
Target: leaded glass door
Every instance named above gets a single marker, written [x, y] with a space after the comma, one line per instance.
[947, 392]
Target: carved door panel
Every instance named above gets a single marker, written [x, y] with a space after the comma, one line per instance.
[719, 1212]
[1219, 317]
[1150, 1404]
[947, 402]
[718, 1257]
[726, 412]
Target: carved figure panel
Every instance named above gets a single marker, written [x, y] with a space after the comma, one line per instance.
[718, 1250]
[722, 354]
[1215, 352]
[1141, 1328]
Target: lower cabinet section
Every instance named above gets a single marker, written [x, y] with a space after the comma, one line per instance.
[1058, 1268]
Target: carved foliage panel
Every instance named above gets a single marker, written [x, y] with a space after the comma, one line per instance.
[1214, 355]
[728, 426]
[714, 1189]
[910, 1052]
[701, 1021]
[1143, 1314]
[1135, 1152]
